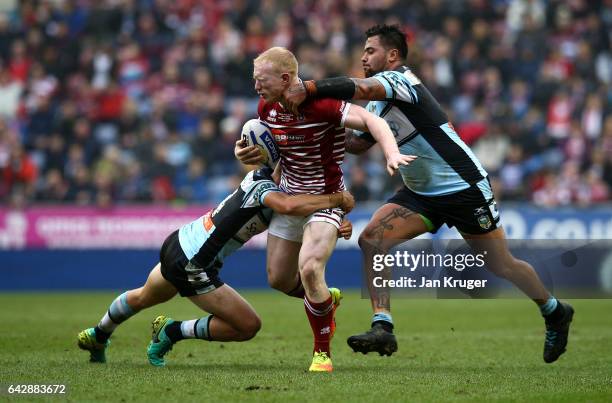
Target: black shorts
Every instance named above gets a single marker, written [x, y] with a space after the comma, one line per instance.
[472, 211]
[173, 262]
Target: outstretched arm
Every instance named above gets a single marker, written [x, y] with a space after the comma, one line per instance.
[360, 119]
[306, 204]
[337, 88]
[346, 88]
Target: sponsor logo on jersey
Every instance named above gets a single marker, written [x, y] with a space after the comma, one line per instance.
[286, 117]
[283, 138]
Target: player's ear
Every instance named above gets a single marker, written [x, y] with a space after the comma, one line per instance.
[393, 55]
[286, 77]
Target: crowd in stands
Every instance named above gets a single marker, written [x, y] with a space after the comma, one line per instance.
[105, 102]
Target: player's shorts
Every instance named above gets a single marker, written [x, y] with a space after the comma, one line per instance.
[291, 228]
[173, 262]
[471, 211]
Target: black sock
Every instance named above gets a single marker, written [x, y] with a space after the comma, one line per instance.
[173, 331]
[557, 314]
[384, 324]
[101, 335]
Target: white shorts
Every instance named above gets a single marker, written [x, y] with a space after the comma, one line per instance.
[291, 228]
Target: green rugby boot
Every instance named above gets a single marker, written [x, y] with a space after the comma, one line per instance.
[160, 342]
[87, 341]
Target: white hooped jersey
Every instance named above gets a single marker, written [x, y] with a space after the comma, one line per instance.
[311, 144]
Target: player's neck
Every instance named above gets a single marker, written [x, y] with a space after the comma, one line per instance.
[395, 65]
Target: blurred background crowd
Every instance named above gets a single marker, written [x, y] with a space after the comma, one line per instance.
[129, 101]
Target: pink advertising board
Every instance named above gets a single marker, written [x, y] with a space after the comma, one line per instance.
[133, 227]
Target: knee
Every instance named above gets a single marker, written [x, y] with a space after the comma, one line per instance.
[311, 270]
[137, 300]
[367, 245]
[363, 240]
[278, 281]
[249, 328]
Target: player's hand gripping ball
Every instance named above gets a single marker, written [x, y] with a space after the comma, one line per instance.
[257, 133]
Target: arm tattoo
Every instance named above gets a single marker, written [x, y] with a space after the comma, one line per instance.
[379, 243]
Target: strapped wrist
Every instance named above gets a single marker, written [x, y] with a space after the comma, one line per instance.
[336, 87]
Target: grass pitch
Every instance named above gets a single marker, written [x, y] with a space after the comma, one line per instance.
[449, 350]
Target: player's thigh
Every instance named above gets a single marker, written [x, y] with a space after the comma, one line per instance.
[390, 225]
[156, 289]
[318, 243]
[227, 304]
[282, 258]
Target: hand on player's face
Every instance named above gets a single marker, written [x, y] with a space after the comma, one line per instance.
[348, 202]
[346, 229]
[268, 83]
[395, 160]
[250, 155]
[294, 96]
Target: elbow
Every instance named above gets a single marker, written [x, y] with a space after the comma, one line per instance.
[291, 209]
[363, 91]
[286, 208]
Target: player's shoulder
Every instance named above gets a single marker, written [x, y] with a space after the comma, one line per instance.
[317, 106]
[401, 76]
[256, 184]
[261, 176]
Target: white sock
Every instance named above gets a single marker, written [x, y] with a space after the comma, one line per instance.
[188, 328]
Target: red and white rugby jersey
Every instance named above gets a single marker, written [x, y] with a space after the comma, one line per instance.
[311, 144]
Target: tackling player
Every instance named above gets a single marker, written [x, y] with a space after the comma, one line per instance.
[311, 144]
[447, 184]
[190, 260]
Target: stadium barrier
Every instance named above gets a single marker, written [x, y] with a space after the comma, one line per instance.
[83, 248]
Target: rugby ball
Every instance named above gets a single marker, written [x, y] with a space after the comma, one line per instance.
[257, 133]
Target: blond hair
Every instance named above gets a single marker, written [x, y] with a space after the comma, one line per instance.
[281, 59]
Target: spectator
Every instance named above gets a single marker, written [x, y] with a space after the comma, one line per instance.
[167, 83]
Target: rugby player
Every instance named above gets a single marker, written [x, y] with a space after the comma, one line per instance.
[311, 144]
[446, 185]
[190, 260]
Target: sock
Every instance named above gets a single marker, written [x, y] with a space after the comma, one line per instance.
[383, 319]
[173, 331]
[320, 315]
[101, 335]
[552, 309]
[298, 290]
[118, 312]
[189, 329]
